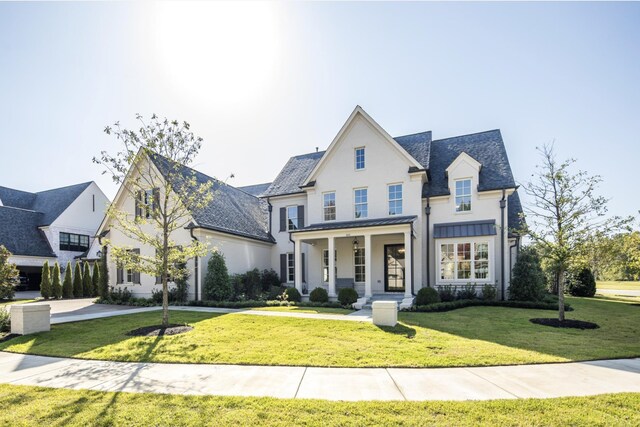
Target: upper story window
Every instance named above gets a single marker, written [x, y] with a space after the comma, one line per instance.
[292, 218]
[463, 195]
[361, 203]
[395, 199]
[359, 158]
[329, 206]
[146, 203]
[74, 242]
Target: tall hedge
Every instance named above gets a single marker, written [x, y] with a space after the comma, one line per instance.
[527, 280]
[95, 280]
[67, 283]
[216, 283]
[45, 282]
[87, 287]
[77, 282]
[104, 275]
[56, 286]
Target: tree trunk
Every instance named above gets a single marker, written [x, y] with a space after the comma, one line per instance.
[165, 287]
[561, 296]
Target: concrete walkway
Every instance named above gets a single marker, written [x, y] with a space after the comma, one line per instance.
[352, 384]
[620, 292]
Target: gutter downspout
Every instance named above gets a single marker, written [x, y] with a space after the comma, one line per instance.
[503, 204]
[427, 210]
[196, 272]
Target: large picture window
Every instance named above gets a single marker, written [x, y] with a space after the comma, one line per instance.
[74, 242]
[329, 206]
[464, 261]
[361, 203]
[463, 195]
[358, 262]
[395, 199]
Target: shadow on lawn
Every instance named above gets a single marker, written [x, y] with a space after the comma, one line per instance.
[399, 329]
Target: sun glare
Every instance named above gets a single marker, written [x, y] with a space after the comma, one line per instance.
[221, 52]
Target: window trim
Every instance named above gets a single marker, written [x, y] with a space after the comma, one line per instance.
[355, 158]
[297, 219]
[455, 195]
[73, 248]
[401, 199]
[356, 204]
[324, 207]
[291, 267]
[363, 265]
[473, 242]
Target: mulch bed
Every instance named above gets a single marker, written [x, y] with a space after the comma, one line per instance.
[8, 337]
[568, 323]
[159, 330]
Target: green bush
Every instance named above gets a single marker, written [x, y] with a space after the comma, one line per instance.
[292, 294]
[180, 293]
[216, 283]
[5, 320]
[453, 305]
[67, 284]
[9, 275]
[489, 292]
[582, 284]
[87, 284]
[319, 295]
[121, 295]
[252, 284]
[103, 286]
[95, 280]
[527, 280]
[468, 291]
[269, 279]
[427, 296]
[347, 296]
[275, 292]
[56, 286]
[77, 282]
[45, 282]
[447, 293]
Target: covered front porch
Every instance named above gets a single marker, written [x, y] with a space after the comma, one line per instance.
[371, 256]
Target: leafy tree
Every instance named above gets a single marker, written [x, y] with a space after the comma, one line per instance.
[217, 286]
[9, 275]
[95, 280]
[45, 282]
[527, 277]
[564, 213]
[77, 281]
[151, 170]
[67, 285]
[104, 276]
[56, 287]
[582, 284]
[87, 284]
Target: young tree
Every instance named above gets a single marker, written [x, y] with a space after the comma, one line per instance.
[217, 286]
[9, 275]
[564, 213]
[56, 287]
[151, 170]
[103, 290]
[87, 284]
[67, 285]
[45, 282]
[77, 281]
[95, 280]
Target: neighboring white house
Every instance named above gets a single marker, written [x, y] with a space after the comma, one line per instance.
[381, 214]
[54, 225]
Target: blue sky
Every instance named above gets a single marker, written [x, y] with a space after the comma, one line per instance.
[262, 82]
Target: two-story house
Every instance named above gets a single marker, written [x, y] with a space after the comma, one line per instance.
[52, 225]
[380, 214]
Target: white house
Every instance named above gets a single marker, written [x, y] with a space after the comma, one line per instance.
[54, 225]
[384, 215]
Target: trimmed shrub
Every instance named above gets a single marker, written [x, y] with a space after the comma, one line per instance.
[275, 293]
[347, 296]
[527, 280]
[45, 282]
[77, 282]
[489, 292]
[427, 296]
[453, 305]
[252, 284]
[122, 295]
[87, 284]
[292, 294]
[180, 293]
[269, 279]
[95, 280]
[103, 290]
[468, 291]
[56, 286]
[582, 284]
[9, 275]
[216, 283]
[5, 320]
[319, 295]
[67, 283]
[447, 293]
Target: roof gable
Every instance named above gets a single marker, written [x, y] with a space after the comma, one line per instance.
[464, 157]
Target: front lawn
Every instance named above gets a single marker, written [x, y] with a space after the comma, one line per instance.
[474, 336]
[297, 309]
[627, 286]
[27, 406]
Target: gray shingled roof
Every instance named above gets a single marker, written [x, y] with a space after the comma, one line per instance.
[485, 147]
[418, 145]
[464, 229]
[375, 222]
[231, 210]
[255, 189]
[514, 221]
[20, 234]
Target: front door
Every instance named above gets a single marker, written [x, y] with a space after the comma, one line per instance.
[394, 268]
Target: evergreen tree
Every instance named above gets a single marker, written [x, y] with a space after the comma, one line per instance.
[527, 277]
[67, 285]
[87, 286]
[56, 287]
[95, 280]
[77, 282]
[45, 282]
[216, 283]
[104, 276]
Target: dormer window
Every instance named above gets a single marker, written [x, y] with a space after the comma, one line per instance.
[463, 195]
[359, 158]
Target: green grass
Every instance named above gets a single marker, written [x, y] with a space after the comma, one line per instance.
[627, 286]
[314, 310]
[474, 336]
[31, 406]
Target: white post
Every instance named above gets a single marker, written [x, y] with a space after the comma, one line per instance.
[408, 267]
[368, 249]
[298, 265]
[332, 266]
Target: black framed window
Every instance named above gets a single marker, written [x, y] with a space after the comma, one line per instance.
[74, 242]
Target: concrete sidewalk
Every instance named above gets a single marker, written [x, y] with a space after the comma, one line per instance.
[351, 384]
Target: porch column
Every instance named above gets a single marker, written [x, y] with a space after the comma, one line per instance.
[408, 264]
[298, 265]
[368, 279]
[332, 266]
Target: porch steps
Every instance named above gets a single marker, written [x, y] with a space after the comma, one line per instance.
[383, 297]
